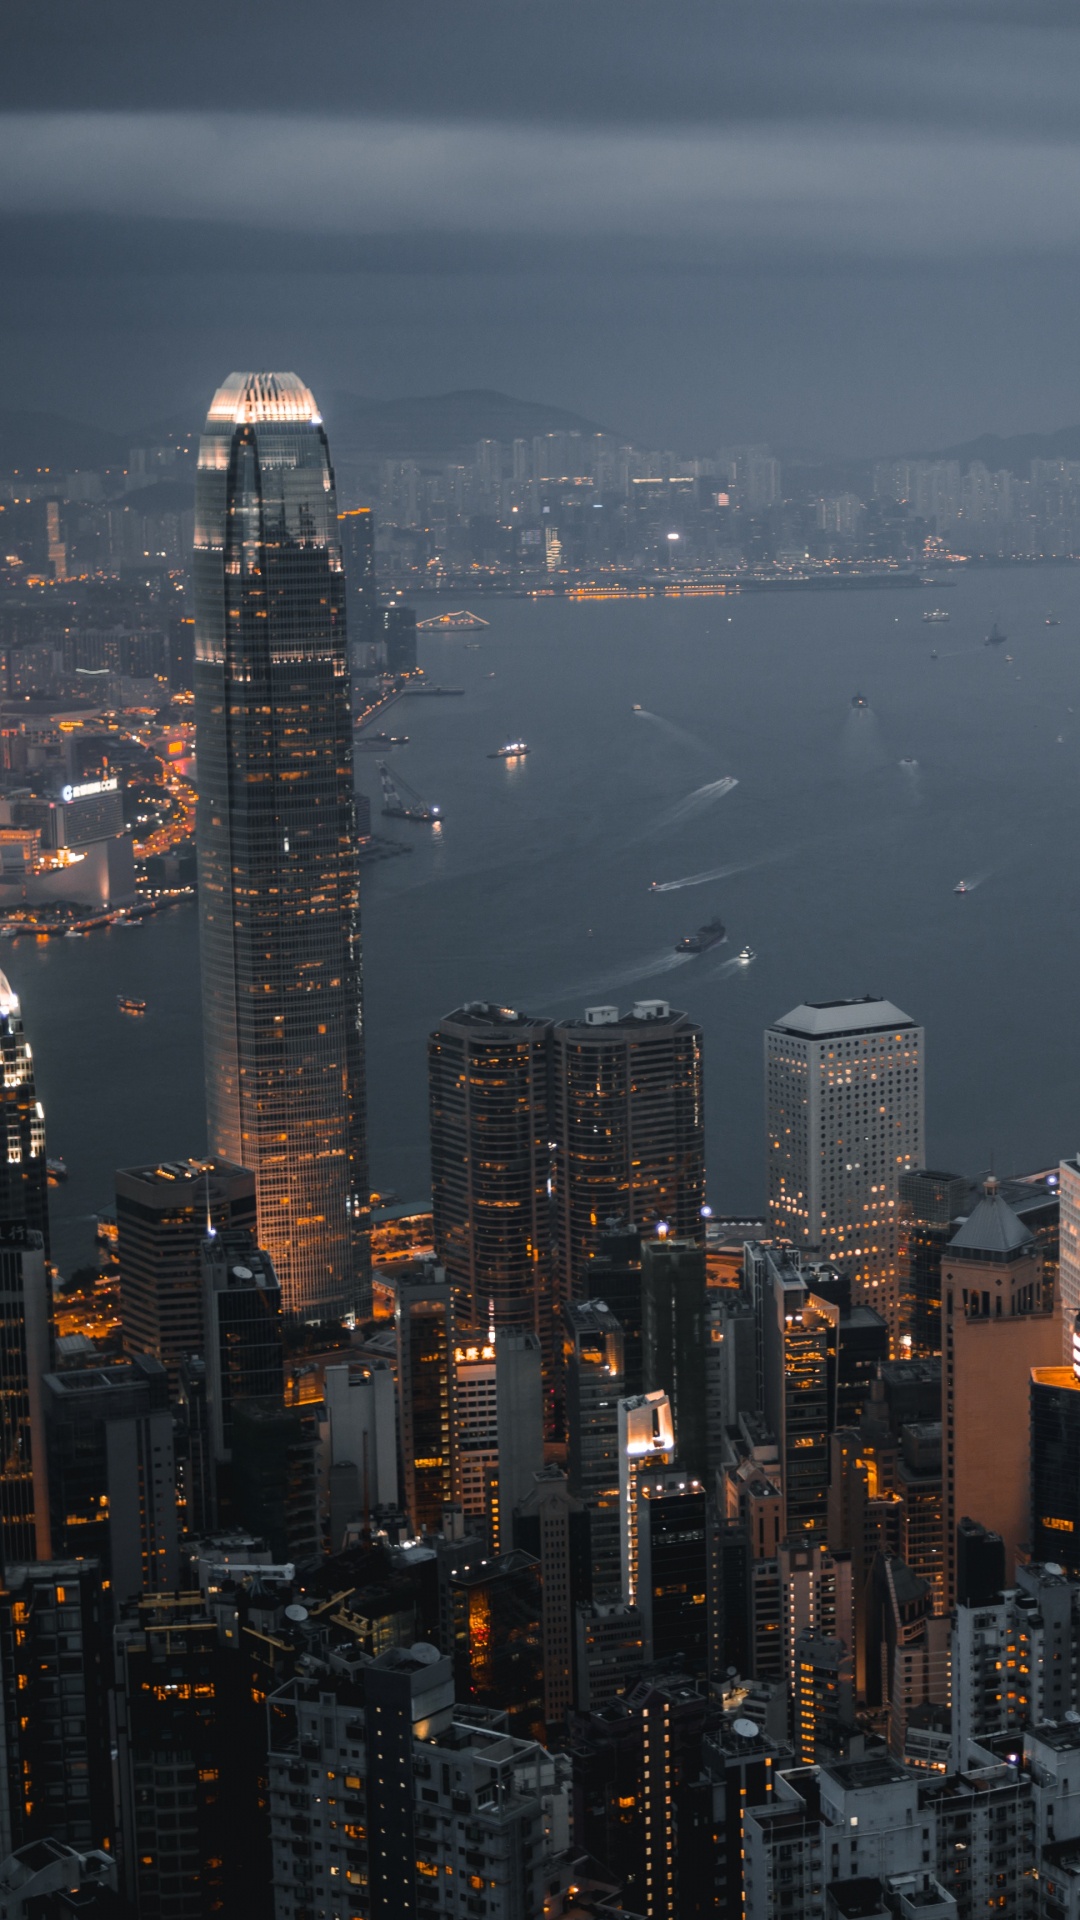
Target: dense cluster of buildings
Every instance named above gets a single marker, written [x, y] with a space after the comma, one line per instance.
[572, 1551]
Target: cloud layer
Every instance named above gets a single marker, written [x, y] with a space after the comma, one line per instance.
[856, 189]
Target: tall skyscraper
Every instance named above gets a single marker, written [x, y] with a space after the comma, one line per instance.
[278, 870]
[675, 1340]
[844, 1117]
[425, 1357]
[1055, 1460]
[357, 532]
[24, 1180]
[489, 1079]
[112, 1473]
[629, 1122]
[25, 1357]
[243, 1348]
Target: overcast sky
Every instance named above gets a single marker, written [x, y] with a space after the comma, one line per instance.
[850, 225]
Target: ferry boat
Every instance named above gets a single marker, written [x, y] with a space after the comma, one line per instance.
[707, 936]
[513, 750]
[934, 615]
[125, 1004]
[460, 622]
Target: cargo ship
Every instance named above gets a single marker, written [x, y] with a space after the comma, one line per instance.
[513, 750]
[707, 936]
[934, 615]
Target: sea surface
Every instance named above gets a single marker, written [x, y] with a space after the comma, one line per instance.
[830, 858]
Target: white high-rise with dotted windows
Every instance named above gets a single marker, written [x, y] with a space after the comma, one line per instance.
[844, 1111]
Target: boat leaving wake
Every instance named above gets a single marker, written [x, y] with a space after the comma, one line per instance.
[695, 802]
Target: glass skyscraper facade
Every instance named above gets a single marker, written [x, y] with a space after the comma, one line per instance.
[278, 868]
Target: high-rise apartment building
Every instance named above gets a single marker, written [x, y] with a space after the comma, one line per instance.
[356, 528]
[276, 839]
[646, 1443]
[629, 1123]
[25, 1357]
[54, 1706]
[1055, 1461]
[489, 1079]
[930, 1204]
[1069, 1253]
[844, 1117]
[999, 1320]
[24, 1181]
[163, 1214]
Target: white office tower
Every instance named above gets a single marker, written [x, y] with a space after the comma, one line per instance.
[646, 1443]
[361, 1411]
[1069, 1270]
[844, 1108]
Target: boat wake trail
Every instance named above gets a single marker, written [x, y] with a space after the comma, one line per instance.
[668, 726]
[719, 873]
[665, 961]
[695, 802]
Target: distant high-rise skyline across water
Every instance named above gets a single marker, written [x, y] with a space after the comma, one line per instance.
[278, 872]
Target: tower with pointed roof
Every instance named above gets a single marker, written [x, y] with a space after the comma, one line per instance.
[276, 836]
[1000, 1319]
[844, 1112]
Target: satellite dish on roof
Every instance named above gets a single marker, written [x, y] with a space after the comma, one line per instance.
[423, 1651]
[1053, 1568]
[296, 1613]
[243, 1273]
[747, 1729]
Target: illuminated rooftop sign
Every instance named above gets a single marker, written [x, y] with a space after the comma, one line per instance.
[87, 790]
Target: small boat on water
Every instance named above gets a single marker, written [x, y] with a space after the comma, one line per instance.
[1051, 619]
[513, 750]
[859, 700]
[126, 1004]
[961, 887]
[934, 615]
[909, 763]
[710, 935]
[745, 955]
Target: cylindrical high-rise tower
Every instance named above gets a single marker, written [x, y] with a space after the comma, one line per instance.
[278, 870]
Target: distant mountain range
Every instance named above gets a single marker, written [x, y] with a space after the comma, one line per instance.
[1014, 453]
[443, 422]
[32, 440]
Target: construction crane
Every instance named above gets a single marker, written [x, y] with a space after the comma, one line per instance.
[401, 801]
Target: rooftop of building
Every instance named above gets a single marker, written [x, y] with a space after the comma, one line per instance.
[1064, 1378]
[262, 398]
[1064, 1855]
[822, 1019]
[857, 1899]
[164, 1177]
[1061, 1736]
[874, 1770]
[992, 1229]
[600, 1020]
[484, 1017]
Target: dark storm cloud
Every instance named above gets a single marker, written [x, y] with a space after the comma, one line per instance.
[800, 220]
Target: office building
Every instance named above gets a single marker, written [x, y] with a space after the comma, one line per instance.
[489, 1080]
[112, 1473]
[274, 1484]
[163, 1214]
[356, 531]
[361, 1410]
[674, 1295]
[54, 1726]
[646, 1443]
[930, 1204]
[276, 840]
[24, 1183]
[629, 1123]
[999, 1321]
[498, 1639]
[674, 1574]
[799, 1336]
[980, 1564]
[844, 1119]
[24, 1360]
[1055, 1461]
[499, 1416]
[594, 1386]
[403, 1806]
[424, 1320]
[242, 1331]
[613, 1275]
[397, 629]
[610, 1649]
[553, 1527]
[1069, 1270]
